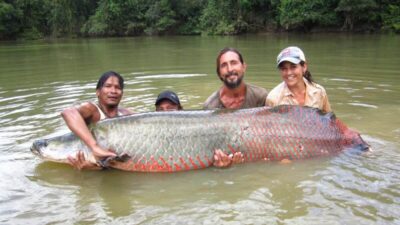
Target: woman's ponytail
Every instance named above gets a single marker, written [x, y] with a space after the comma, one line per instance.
[307, 74]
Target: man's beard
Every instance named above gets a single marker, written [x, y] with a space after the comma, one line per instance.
[234, 84]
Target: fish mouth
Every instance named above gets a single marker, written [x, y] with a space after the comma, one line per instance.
[37, 146]
[363, 146]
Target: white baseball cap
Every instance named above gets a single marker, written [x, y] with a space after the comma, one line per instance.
[291, 54]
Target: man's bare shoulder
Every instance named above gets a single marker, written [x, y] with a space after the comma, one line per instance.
[87, 108]
[89, 112]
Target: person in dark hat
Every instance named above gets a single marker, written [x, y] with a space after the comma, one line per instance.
[168, 101]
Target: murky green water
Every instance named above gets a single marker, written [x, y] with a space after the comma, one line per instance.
[39, 79]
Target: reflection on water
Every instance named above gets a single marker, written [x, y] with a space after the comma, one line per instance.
[350, 188]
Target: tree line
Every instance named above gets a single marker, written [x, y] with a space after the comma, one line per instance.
[34, 19]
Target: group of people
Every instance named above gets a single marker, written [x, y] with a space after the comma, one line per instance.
[297, 88]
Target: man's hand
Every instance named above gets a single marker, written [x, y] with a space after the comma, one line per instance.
[79, 162]
[223, 160]
[100, 153]
[75, 118]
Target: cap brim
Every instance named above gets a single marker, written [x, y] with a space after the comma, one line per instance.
[289, 59]
[166, 98]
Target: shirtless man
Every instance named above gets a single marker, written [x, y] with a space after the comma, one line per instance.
[109, 91]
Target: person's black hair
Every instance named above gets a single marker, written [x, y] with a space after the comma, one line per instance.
[107, 75]
[307, 74]
[170, 96]
[225, 50]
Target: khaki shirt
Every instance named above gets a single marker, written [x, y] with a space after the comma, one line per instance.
[255, 97]
[315, 96]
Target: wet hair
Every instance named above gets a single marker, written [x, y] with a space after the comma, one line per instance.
[307, 74]
[107, 75]
[225, 50]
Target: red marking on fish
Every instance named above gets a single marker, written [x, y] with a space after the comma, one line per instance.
[193, 163]
[202, 165]
[185, 165]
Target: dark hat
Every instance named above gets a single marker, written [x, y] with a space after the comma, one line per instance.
[169, 95]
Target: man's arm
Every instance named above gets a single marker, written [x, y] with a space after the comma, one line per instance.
[75, 120]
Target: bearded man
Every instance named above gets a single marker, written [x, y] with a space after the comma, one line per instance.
[235, 93]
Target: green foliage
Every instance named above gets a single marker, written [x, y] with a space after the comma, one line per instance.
[33, 19]
[210, 18]
[391, 18]
[306, 14]
[224, 17]
[261, 14]
[68, 16]
[9, 20]
[354, 12]
[94, 27]
[188, 13]
[160, 17]
[62, 19]
[117, 18]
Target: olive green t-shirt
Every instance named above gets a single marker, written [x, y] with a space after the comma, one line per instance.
[255, 97]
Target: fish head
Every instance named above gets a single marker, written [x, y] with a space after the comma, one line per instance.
[49, 150]
[353, 140]
[58, 149]
[37, 146]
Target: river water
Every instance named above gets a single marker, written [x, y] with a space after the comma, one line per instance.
[38, 79]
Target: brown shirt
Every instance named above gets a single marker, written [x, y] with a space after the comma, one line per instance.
[255, 97]
[315, 96]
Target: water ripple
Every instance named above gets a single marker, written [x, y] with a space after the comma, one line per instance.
[166, 76]
[363, 105]
[358, 184]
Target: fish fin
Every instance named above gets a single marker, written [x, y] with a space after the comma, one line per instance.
[330, 115]
[105, 162]
[122, 158]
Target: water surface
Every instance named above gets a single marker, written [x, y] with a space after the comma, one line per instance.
[39, 79]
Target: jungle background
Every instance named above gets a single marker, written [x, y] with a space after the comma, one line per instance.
[37, 19]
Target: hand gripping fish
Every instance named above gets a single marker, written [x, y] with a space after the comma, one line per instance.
[186, 140]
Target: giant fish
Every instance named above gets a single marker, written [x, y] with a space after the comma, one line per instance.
[186, 140]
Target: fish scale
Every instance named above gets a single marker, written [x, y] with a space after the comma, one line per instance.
[186, 140]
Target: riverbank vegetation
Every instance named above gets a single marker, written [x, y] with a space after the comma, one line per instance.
[34, 19]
